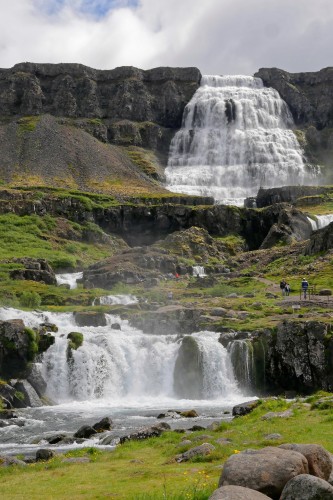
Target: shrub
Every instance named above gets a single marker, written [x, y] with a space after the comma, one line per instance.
[30, 299]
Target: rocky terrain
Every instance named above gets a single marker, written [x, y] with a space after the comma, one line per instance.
[310, 99]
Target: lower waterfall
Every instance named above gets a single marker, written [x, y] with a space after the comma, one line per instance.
[125, 365]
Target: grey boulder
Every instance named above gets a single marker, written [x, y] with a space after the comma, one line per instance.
[236, 493]
[307, 487]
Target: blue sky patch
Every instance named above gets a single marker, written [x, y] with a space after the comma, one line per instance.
[98, 8]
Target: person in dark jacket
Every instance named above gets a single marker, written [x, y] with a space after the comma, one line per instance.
[304, 286]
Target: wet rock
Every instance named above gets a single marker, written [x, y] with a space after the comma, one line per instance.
[15, 349]
[35, 270]
[307, 487]
[56, 438]
[116, 326]
[85, 432]
[103, 425]
[196, 428]
[189, 414]
[204, 449]
[146, 433]
[244, 408]
[44, 454]
[90, 318]
[29, 395]
[36, 380]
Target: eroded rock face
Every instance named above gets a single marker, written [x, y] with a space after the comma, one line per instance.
[320, 241]
[308, 95]
[292, 226]
[15, 348]
[34, 270]
[301, 357]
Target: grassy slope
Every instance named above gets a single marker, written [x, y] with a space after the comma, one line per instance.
[147, 469]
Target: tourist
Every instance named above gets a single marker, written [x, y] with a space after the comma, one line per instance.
[283, 286]
[304, 286]
[287, 289]
[170, 295]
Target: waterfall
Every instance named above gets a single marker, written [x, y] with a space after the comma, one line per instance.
[236, 137]
[124, 365]
[68, 279]
[242, 359]
[198, 271]
[109, 300]
[320, 221]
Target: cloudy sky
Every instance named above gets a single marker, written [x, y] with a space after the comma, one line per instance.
[217, 36]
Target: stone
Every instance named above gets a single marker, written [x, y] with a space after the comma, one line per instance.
[307, 487]
[103, 425]
[203, 437]
[36, 380]
[319, 459]
[186, 442]
[223, 441]
[277, 414]
[44, 454]
[56, 438]
[90, 318]
[213, 426]
[6, 461]
[244, 408]
[237, 493]
[325, 292]
[116, 326]
[76, 460]
[85, 432]
[196, 428]
[273, 437]
[146, 433]
[204, 449]
[29, 395]
[267, 470]
[189, 414]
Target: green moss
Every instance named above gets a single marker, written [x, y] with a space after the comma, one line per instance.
[75, 340]
[27, 124]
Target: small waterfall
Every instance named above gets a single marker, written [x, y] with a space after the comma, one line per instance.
[242, 359]
[69, 279]
[236, 137]
[320, 221]
[110, 300]
[125, 365]
[198, 271]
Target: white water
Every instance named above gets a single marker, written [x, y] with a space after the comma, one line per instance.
[198, 271]
[320, 221]
[109, 300]
[125, 374]
[236, 137]
[123, 366]
[68, 279]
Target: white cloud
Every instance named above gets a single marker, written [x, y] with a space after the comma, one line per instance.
[218, 36]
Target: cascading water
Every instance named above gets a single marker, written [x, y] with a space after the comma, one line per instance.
[109, 300]
[236, 136]
[198, 271]
[123, 365]
[320, 221]
[241, 355]
[69, 279]
[123, 373]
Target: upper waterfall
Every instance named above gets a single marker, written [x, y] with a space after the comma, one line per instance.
[236, 136]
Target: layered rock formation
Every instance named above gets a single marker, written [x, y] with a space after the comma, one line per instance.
[310, 99]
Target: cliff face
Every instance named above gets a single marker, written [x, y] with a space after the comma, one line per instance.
[54, 117]
[310, 99]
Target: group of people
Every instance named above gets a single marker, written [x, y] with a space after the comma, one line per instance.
[285, 287]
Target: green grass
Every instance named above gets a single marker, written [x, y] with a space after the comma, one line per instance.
[147, 469]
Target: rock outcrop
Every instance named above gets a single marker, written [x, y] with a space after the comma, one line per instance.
[320, 241]
[310, 99]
